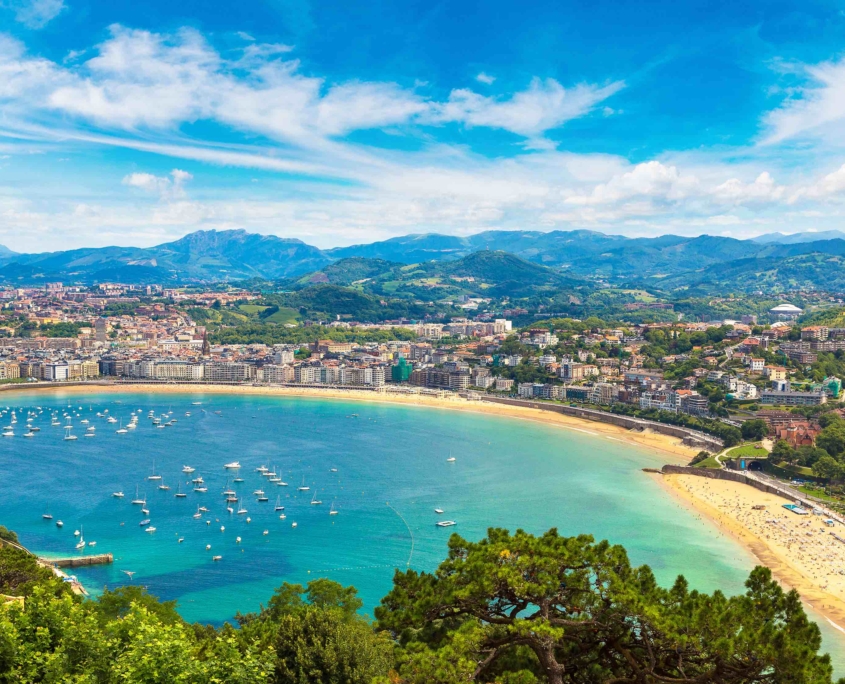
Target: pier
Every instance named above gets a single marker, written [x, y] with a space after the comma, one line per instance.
[79, 561]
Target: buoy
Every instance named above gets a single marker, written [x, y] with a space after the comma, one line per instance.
[208, 547]
[249, 519]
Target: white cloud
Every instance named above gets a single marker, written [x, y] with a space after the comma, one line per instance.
[34, 14]
[816, 109]
[763, 189]
[545, 105]
[485, 78]
[167, 188]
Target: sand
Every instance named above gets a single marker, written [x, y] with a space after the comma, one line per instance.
[799, 549]
[665, 444]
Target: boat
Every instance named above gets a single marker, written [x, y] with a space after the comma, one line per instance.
[333, 470]
[145, 510]
[154, 476]
[144, 522]
[222, 528]
[138, 501]
[90, 428]
[238, 479]
[445, 523]
[293, 524]
[266, 532]
[303, 487]
[262, 499]
[438, 511]
[59, 523]
[188, 469]
[187, 414]
[332, 510]
[198, 480]
[234, 465]
[451, 459]
[197, 515]
[208, 547]
[150, 529]
[81, 543]
[279, 506]
[241, 509]
[92, 543]
[68, 438]
[121, 430]
[203, 509]
[196, 403]
[163, 487]
[258, 492]
[216, 558]
[315, 501]
[280, 483]
[201, 489]
[117, 495]
[76, 533]
[47, 515]
[179, 493]
[261, 469]
[282, 516]
[29, 434]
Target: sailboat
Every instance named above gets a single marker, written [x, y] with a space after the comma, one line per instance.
[81, 544]
[315, 501]
[138, 501]
[179, 493]
[241, 509]
[68, 435]
[303, 487]
[163, 486]
[121, 430]
[279, 506]
[154, 476]
[47, 515]
[197, 515]
[332, 510]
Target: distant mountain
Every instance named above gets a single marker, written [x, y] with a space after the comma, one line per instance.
[796, 238]
[208, 255]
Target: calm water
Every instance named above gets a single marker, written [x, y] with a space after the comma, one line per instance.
[391, 472]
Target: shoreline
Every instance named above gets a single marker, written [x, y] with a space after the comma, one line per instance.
[728, 506]
[647, 439]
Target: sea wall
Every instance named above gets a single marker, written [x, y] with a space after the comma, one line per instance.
[691, 437]
[734, 476]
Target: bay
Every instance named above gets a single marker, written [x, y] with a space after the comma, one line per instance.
[382, 466]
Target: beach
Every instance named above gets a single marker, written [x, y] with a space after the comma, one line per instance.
[799, 549]
[665, 444]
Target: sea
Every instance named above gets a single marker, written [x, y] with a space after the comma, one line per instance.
[383, 468]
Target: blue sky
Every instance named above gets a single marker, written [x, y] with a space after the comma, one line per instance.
[342, 122]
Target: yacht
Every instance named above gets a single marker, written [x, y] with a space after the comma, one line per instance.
[279, 506]
[202, 490]
[258, 492]
[303, 487]
[332, 510]
[92, 543]
[138, 501]
[261, 469]
[112, 419]
[117, 495]
[439, 511]
[445, 523]
[29, 434]
[8, 433]
[47, 515]
[241, 509]
[188, 469]
[121, 430]
[234, 465]
[59, 523]
[163, 487]
[179, 493]
[154, 476]
[81, 543]
[197, 515]
[216, 558]
[150, 529]
[198, 480]
[262, 499]
[293, 524]
[144, 522]
[315, 501]
[451, 459]
[69, 437]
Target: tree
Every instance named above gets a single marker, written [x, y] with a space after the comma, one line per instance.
[322, 645]
[832, 439]
[755, 429]
[828, 468]
[782, 452]
[567, 610]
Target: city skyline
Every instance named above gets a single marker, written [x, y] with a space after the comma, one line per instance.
[129, 126]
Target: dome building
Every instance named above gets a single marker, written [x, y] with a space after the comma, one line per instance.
[785, 312]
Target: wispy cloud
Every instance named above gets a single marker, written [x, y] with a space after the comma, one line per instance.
[485, 78]
[166, 187]
[34, 14]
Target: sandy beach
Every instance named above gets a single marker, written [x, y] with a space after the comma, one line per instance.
[799, 549]
[665, 444]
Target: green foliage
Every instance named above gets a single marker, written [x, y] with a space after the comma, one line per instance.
[8, 535]
[249, 333]
[58, 330]
[754, 429]
[568, 610]
[20, 573]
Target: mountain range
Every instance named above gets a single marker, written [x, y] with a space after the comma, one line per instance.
[665, 262]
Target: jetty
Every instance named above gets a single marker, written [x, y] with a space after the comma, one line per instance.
[79, 561]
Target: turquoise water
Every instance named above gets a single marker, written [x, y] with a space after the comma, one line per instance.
[391, 472]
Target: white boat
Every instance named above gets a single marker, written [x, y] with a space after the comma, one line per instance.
[81, 543]
[241, 509]
[154, 476]
[163, 487]
[216, 558]
[90, 428]
[234, 465]
[258, 492]
[279, 506]
[196, 403]
[451, 459]
[138, 501]
[438, 511]
[188, 469]
[8, 433]
[92, 543]
[112, 419]
[293, 524]
[179, 493]
[121, 430]
[202, 490]
[303, 487]
[47, 515]
[150, 529]
[197, 515]
[117, 495]
[332, 510]
[69, 438]
[445, 523]
[29, 434]
[144, 522]
[261, 469]
[315, 501]
[59, 523]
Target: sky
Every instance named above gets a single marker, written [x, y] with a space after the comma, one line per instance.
[127, 123]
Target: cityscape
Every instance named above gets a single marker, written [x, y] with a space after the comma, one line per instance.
[422, 343]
